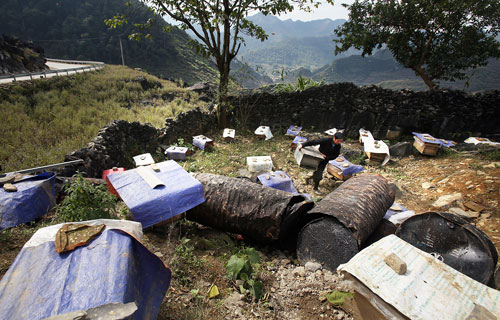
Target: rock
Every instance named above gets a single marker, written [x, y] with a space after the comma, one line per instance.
[449, 201]
[427, 185]
[299, 271]
[402, 149]
[9, 187]
[396, 264]
[492, 165]
[480, 173]
[396, 189]
[312, 266]
[464, 214]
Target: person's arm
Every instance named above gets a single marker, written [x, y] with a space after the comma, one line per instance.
[309, 143]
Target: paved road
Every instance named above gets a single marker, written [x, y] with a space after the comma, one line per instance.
[52, 66]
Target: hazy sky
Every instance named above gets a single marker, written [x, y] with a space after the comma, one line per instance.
[324, 11]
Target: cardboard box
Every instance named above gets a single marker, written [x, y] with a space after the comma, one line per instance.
[177, 153]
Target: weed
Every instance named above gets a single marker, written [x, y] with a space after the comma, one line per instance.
[85, 201]
[493, 155]
[447, 153]
[241, 266]
[184, 260]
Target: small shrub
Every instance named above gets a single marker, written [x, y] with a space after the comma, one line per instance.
[85, 201]
[241, 266]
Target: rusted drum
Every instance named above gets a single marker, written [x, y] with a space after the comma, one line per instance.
[454, 241]
[259, 213]
[357, 206]
[384, 229]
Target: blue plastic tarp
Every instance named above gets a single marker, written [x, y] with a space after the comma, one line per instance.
[277, 180]
[346, 170]
[299, 139]
[427, 138]
[113, 268]
[394, 209]
[293, 130]
[179, 193]
[35, 196]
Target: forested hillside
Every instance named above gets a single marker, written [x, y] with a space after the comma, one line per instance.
[75, 29]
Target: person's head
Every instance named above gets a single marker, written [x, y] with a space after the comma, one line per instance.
[338, 138]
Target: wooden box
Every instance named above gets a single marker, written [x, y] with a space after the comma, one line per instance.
[336, 172]
[425, 147]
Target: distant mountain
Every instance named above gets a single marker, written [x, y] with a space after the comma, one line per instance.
[70, 29]
[291, 45]
[381, 69]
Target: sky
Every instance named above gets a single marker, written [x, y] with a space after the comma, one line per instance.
[325, 10]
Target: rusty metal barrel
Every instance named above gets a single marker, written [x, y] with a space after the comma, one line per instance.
[341, 222]
[454, 241]
[259, 213]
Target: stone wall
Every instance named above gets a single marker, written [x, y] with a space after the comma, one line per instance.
[444, 114]
[18, 56]
[119, 141]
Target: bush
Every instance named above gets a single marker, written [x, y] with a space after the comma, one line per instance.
[85, 201]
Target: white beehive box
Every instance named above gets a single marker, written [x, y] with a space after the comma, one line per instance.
[143, 160]
[177, 153]
[308, 157]
[259, 163]
[264, 132]
[228, 134]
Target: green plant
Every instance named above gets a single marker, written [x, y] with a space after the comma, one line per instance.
[301, 84]
[241, 266]
[86, 201]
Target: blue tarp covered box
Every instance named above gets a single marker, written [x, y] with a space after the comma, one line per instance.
[279, 180]
[114, 268]
[178, 193]
[35, 196]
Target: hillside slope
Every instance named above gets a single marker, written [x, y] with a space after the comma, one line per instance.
[69, 29]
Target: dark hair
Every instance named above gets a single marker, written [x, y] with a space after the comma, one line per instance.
[338, 135]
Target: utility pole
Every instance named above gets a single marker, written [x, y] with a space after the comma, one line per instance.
[121, 49]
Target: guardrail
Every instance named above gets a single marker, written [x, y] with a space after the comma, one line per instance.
[94, 65]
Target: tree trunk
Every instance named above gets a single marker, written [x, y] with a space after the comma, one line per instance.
[423, 75]
[223, 104]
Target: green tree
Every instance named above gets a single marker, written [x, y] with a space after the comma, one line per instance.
[437, 39]
[221, 23]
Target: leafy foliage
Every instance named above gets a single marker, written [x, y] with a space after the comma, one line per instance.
[241, 266]
[438, 40]
[301, 84]
[76, 30]
[85, 201]
[221, 23]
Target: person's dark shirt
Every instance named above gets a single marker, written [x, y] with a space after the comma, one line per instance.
[326, 147]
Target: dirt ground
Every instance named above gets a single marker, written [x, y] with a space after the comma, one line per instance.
[197, 255]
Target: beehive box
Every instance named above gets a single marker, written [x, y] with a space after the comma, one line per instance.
[425, 147]
[293, 131]
[259, 163]
[263, 132]
[228, 134]
[336, 172]
[296, 141]
[143, 160]
[177, 153]
[308, 157]
[202, 142]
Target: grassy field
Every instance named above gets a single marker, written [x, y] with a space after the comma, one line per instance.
[46, 119]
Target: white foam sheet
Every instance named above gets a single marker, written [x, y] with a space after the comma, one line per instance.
[49, 233]
[365, 136]
[429, 289]
[378, 146]
[478, 140]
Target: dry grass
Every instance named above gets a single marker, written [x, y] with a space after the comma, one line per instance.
[46, 119]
